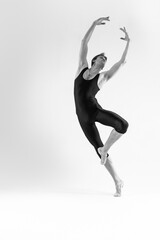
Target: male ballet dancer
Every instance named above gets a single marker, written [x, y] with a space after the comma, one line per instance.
[86, 85]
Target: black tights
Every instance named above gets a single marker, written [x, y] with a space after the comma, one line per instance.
[104, 117]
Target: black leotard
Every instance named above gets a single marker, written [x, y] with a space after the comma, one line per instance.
[84, 93]
[89, 111]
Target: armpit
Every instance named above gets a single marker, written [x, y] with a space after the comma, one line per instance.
[101, 80]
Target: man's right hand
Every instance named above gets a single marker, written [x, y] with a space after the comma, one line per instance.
[126, 38]
[100, 21]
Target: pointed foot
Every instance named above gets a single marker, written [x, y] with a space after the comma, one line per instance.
[104, 155]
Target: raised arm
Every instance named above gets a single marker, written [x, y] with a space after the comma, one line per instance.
[108, 74]
[85, 40]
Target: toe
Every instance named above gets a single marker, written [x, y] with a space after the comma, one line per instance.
[117, 195]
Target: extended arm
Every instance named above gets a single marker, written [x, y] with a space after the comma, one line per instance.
[85, 40]
[116, 66]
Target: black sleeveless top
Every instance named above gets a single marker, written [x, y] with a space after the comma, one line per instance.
[84, 95]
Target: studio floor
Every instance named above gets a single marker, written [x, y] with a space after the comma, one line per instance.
[77, 215]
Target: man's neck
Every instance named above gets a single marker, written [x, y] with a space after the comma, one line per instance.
[94, 70]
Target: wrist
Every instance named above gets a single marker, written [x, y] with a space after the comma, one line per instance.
[94, 24]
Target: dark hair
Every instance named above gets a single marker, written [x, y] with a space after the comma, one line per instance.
[94, 59]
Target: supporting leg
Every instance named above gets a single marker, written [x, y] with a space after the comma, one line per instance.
[118, 182]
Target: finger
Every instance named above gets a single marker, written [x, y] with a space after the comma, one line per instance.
[125, 30]
[105, 18]
[99, 19]
[102, 19]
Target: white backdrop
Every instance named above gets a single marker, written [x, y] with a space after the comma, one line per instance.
[42, 146]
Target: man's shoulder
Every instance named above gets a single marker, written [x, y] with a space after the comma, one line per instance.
[80, 68]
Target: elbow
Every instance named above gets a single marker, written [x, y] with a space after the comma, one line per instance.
[122, 61]
[84, 41]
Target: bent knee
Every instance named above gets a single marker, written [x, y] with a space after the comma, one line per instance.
[122, 127]
[125, 126]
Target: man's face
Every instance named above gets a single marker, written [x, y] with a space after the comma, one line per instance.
[100, 61]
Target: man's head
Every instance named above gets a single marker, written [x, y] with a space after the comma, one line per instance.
[99, 59]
